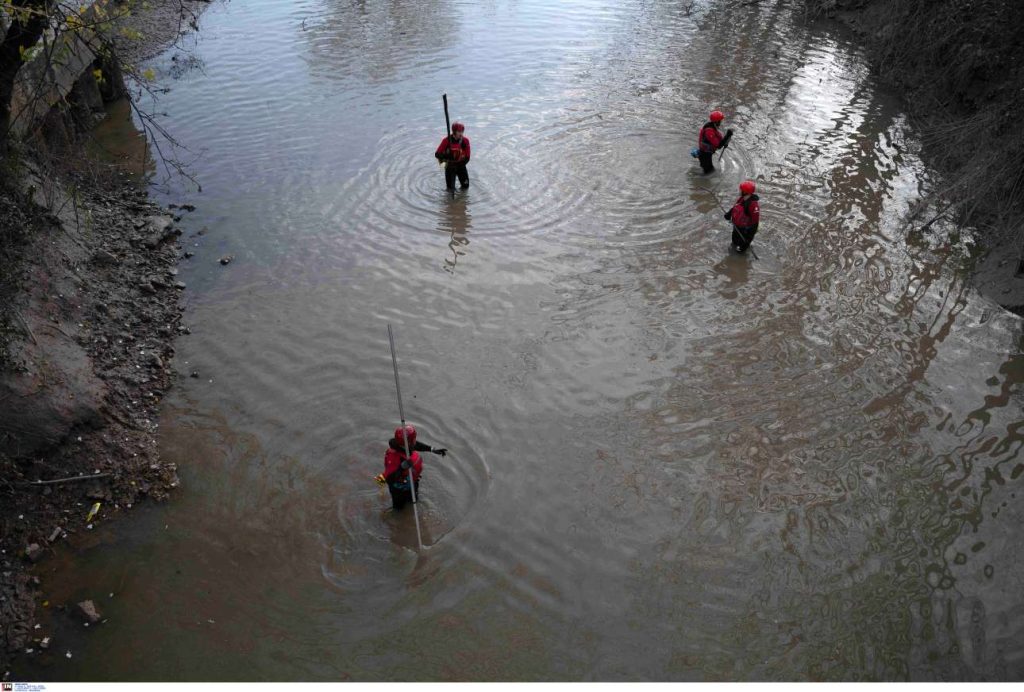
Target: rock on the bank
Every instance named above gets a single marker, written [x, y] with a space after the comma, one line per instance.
[159, 228]
[40, 404]
[87, 611]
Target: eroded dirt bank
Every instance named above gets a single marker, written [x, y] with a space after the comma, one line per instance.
[90, 305]
[97, 312]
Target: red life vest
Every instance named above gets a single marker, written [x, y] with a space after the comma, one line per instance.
[746, 214]
[459, 150]
[709, 138]
[393, 459]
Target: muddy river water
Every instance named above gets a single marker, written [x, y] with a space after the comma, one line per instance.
[667, 461]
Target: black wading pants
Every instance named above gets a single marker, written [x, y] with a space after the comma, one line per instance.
[707, 160]
[456, 169]
[401, 494]
[743, 237]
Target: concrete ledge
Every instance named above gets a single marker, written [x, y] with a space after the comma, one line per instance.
[61, 70]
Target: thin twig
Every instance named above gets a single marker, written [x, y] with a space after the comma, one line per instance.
[935, 218]
[28, 329]
[65, 480]
[55, 327]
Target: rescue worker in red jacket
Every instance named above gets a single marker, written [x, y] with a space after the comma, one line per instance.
[397, 465]
[711, 140]
[454, 152]
[745, 216]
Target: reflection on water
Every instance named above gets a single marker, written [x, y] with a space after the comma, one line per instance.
[736, 270]
[118, 143]
[668, 461]
[456, 223]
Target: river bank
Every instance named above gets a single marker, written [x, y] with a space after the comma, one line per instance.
[91, 308]
[959, 75]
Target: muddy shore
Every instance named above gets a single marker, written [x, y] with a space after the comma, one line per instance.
[92, 306]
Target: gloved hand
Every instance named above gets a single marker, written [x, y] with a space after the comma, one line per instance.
[728, 214]
[728, 132]
[440, 450]
[405, 464]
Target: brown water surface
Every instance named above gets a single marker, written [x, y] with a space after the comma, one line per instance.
[668, 462]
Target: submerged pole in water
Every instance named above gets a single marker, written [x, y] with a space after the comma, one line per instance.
[405, 439]
[715, 195]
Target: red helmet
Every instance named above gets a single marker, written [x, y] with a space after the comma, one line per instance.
[717, 116]
[401, 433]
[747, 187]
[458, 127]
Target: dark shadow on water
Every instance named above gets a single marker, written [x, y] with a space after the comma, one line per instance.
[735, 267]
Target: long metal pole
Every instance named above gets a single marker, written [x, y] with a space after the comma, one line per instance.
[405, 439]
[724, 147]
[447, 122]
[713, 194]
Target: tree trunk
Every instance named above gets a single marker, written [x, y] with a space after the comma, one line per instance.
[23, 33]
